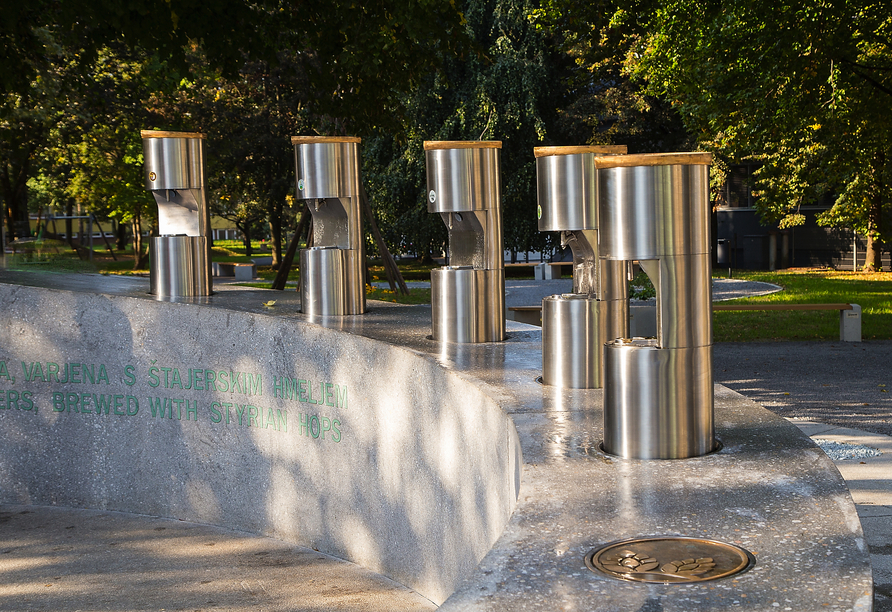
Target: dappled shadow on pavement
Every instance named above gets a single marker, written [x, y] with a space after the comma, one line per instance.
[62, 559]
[848, 384]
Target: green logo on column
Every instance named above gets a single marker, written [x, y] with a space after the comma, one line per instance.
[300, 185]
[539, 210]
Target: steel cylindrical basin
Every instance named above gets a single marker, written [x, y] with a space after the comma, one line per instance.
[323, 273]
[574, 330]
[467, 304]
[179, 266]
[658, 403]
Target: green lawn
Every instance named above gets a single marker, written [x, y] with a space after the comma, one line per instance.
[873, 292]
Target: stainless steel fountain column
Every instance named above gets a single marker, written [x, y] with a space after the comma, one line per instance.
[658, 392]
[332, 278]
[468, 295]
[180, 256]
[576, 325]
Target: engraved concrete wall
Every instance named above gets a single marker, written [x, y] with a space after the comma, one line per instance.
[354, 447]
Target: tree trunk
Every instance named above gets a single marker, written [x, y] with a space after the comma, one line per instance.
[275, 234]
[69, 227]
[394, 276]
[7, 220]
[121, 236]
[873, 261]
[140, 258]
[13, 181]
[287, 262]
[246, 237]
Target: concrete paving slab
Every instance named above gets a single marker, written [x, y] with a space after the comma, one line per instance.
[63, 560]
[556, 452]
[870, 482]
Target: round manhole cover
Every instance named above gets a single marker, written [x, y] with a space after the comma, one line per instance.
[669, 560]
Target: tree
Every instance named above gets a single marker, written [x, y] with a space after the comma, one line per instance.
[224, 28]
[109, 181]
[354, 59]
[26, 119]
[802, 87]
[92, 152]
[601, 100]
[504, 91]
[249, 121]
[231, 203]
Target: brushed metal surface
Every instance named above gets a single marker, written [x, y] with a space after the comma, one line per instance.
[322, 281]
[173, 163]
[178, 266]
[467, 305]
[463, 179]
[571, 342]
[574, 330]
[468, 296]
[658, 402]
[174, 173]
[575, 326]
[179, 212]
[328, 174]
[684, 299]
[475, 239]
[614, 281]
[331, 222]
[648, 212]
[327, 169]
[567, 188]
[583, 245]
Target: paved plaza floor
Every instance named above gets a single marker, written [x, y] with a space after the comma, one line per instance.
[54, 559]
[836, 391]
[64, 560]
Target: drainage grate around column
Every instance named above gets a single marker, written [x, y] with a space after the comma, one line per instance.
[669, 560]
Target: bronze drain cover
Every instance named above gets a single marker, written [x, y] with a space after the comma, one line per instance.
[669, 560]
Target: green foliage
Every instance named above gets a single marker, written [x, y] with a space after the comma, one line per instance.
[791, 220]
[504, 91]
[601, 101]
[222, 27]
[802, 87]
[416, 295]
[872, 292]
[641, 287]
[92, 152]
[248, 120]
[80, 75]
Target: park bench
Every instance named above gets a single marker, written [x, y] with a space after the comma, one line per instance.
[241, 271]
[849, 315]
[544, 270]
[531, 315]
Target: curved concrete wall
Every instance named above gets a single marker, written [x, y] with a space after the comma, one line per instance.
[354, 447]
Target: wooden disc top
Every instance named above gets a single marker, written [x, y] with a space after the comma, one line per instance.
[653, 159]
[596, 149]
[432, 145]
[296, 140]
[160, 134]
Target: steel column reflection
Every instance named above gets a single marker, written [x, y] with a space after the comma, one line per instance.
[180, 263]
[575, 326]
[468, 295]
[658, 393]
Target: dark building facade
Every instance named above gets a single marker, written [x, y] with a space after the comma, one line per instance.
[741, 241]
